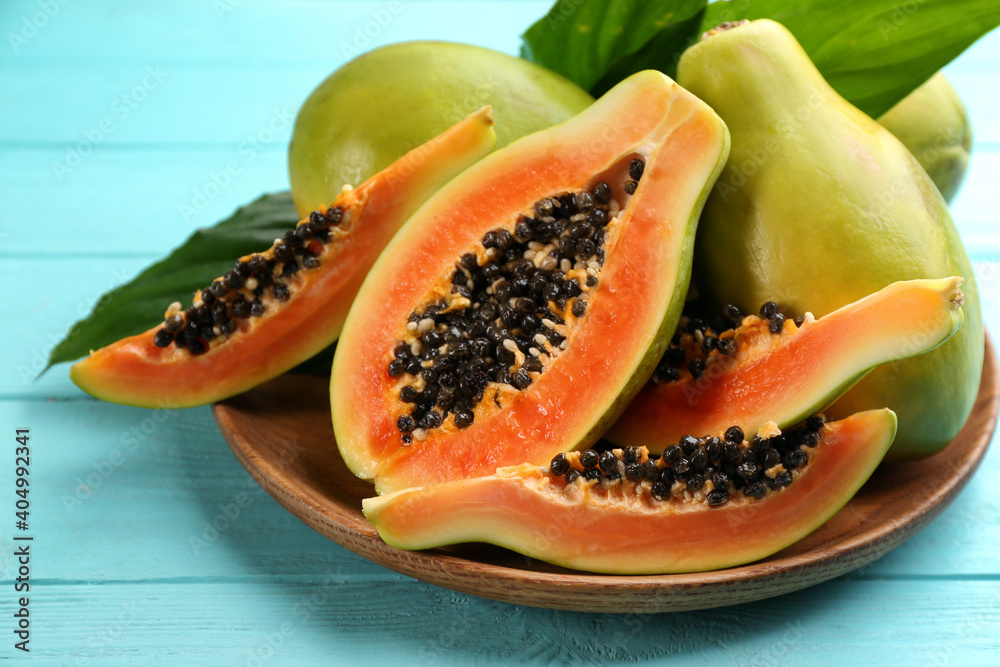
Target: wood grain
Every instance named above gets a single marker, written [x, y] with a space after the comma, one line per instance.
[118, 579]
[398, 622]
[281, 433]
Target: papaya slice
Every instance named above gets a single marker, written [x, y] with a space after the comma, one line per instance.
[277, 308]
[514, 315]
[649, 518]
[782, 369]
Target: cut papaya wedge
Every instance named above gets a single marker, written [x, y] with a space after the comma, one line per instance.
[621, 526]
[277, 308]
[752, 375]
[514, 315]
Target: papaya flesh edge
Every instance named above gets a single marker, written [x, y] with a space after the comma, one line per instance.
[633, 309]
[134, 371]
[788, 376]
[524, 509]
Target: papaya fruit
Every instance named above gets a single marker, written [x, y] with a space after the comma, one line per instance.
[277, 308]
[819, 206]
[933, 124]
[516, 313]
[710, 503]
[747, 371]
[392, 99]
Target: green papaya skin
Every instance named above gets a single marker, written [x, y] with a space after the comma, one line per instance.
[818, 206]
[380, 105]
[933, 124]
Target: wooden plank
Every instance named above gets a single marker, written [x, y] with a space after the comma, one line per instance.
[152, 102]
[62, 294]
[129, 201]
[164, 487]
[163, 100]
[393, 621]
[241, 31]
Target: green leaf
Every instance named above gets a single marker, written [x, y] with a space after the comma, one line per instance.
[873, 52]
[139, 304]
[662, 52]
[596, 43]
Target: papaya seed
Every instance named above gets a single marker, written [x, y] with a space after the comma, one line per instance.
[795, 458]
[464, 418]
[636, 167]
[174, 323]
[602, 192]
[589, 458]
[768, 310]
[163, 338]
[509, 299]
[714, 473]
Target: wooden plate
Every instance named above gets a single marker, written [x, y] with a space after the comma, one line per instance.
[282, 435]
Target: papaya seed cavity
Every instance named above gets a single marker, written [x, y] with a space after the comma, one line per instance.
[510, 309]
[246, 291]
[711, 470]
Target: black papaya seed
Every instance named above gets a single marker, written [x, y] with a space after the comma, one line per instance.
[717, 498]
[602, 192]
[635, 168]
[163, 338]
[608, 462]
[734, 434]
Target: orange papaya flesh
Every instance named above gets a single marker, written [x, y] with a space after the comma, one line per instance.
[654, 151]
[751, 375]
[624, 526]
[279, 307]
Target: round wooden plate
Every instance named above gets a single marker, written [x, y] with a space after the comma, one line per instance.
[281, 433]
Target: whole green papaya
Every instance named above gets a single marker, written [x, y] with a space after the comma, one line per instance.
[380, 105]
[820, 205]
[933, 124]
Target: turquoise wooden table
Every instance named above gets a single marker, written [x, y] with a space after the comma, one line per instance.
[118, 120]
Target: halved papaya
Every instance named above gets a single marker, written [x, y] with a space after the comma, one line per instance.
[514, 315]
[279, 307]
[623, 513]
[783, 369]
